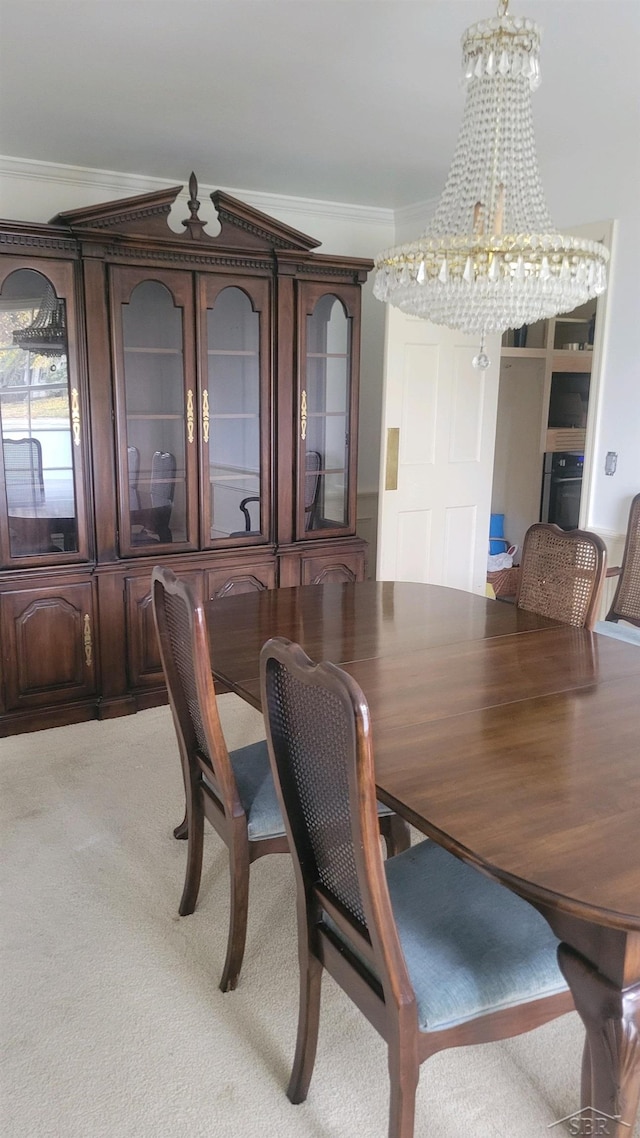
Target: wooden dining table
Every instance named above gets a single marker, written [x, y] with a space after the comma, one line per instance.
[514, 742]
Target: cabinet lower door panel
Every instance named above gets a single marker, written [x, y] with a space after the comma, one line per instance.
[48, 645]
[143, 652]
[230, 581]
[320, 570]
[338, 562]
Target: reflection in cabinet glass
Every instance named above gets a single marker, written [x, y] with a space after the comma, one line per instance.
[40, 418]
[325, 416]
[152, 331]
[233, 334]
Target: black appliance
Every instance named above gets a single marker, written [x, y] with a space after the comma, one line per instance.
[561, 489]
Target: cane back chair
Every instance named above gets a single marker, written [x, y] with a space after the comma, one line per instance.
[233, 790]
[434, 953]
[562, 574]
[626, 601]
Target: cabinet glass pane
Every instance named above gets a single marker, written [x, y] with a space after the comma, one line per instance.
[36, 413]
[155, 410]
[233, 353]
[328, 368]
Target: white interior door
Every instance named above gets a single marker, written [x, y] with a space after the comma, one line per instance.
[439, 416]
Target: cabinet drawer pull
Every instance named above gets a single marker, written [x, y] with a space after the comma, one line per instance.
[75, 416]
[205, 416]
[303, 415]
[87, 641]
[190, 420]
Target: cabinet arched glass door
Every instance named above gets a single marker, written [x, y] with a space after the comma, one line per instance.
[326, 486]
[42, 497]
[235, 410]
[156, 408]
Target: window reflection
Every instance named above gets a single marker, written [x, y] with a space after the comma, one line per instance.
[35, 410]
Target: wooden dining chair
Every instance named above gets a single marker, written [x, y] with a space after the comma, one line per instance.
[562, 574]
[434, 953]
[233, 790]
[626, 601]
[622, 621]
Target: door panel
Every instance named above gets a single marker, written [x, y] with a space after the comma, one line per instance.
[143, 652]
[235, 409]
[48, 643]
[153, 322]
[247, 578]
[434, 515]
[41, 415]
[327, 408]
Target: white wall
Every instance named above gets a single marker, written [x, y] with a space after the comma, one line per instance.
[593, 190]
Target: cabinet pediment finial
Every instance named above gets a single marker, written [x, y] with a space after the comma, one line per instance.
[194, 226]
[242, 227]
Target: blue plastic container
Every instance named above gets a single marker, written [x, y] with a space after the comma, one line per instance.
[498, 545]
[496, 526]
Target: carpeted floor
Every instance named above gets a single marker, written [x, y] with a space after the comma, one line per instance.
[112, 1022]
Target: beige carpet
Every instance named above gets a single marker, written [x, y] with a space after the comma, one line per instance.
[112, 1022]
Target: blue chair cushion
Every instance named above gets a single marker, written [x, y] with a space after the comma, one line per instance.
[257, 791]
[470, 945]
[618, 631]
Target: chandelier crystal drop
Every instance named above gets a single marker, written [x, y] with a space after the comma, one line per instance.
[491, 259]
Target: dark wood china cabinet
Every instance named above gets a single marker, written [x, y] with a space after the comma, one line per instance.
[179, 398]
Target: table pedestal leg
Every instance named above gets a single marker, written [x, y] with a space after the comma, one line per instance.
[611, 1061]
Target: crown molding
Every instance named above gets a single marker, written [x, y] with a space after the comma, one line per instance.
[415, 216]
[115, 184]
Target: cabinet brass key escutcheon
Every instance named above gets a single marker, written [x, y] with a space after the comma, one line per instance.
[205, 416]
[190, 430]
[87, 640]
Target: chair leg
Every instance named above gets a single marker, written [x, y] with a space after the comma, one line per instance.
[403, 1076]
[308, 1021]
[238, 909]
[181, 832]
[396, 834]
[195, 840]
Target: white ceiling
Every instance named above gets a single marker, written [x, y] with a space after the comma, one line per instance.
[347, 100]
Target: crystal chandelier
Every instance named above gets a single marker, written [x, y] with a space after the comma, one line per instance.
[491, 259]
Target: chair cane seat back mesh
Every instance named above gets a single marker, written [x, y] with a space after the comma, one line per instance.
[312, 737]
[626, 602]
[561, 574]
[184, 650]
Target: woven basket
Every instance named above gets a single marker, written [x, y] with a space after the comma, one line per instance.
[504, 581]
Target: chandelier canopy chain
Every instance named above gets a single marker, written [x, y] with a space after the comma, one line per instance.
[491, 258]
